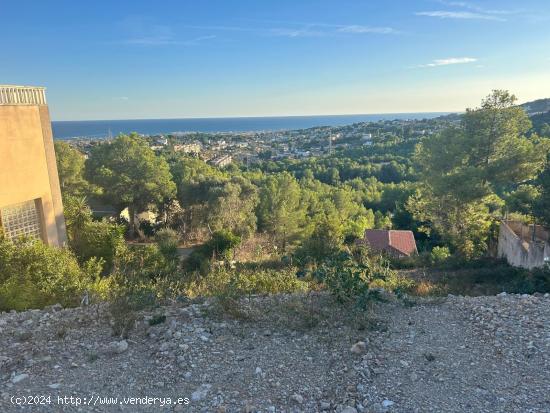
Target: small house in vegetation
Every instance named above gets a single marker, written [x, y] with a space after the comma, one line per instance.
[523, 245]
[392, 242]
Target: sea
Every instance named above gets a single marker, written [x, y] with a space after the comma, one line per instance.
[103, 128]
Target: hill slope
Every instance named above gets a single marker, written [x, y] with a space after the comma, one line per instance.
[536, 106]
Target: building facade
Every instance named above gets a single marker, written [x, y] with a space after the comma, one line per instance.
[221, 161]
[188, 148]
[30, 197]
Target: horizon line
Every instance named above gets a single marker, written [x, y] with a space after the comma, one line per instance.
[257, 116]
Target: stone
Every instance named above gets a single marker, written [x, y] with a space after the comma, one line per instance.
[19, 377]
[387, 403]
[117, 347]
[359, 348]
[349, 409]
[297, 398]
[324, 406]
[201, 392]
[54, 386]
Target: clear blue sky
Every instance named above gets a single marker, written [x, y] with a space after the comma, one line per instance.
[169, 59]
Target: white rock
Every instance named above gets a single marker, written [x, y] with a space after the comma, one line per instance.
[324, 405]
[297, 398]
[258, 370]
[359, 348]
[349, 409]
[54, 386]
[201, 392]
[387, 403]
[117, 347]
[19, 377]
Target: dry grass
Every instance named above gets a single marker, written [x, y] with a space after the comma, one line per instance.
[257, 249]
[298, 312]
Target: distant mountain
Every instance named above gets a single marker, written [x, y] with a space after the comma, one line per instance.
[538, 110]
[537, 106]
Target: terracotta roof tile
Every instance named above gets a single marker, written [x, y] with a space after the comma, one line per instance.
[393, 241]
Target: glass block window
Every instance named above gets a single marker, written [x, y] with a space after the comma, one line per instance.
[21, 220]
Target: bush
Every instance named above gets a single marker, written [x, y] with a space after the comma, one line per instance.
[439, 254]
[229, 286]
[167, 240]
[142, 278]
[33, 275]
[350, 278]
[242, 282]
[89, 238]
[221, 246]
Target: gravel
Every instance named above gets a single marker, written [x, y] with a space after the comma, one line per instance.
[458, 354]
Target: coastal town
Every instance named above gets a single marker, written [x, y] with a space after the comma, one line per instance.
[223, 148]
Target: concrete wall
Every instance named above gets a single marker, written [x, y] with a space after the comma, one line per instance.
[515, 244]
[27, 166]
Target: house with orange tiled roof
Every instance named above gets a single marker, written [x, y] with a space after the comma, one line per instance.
[392, 242]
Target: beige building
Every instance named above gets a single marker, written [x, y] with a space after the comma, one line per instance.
[30, 197]
[188, 148]
[221, 161]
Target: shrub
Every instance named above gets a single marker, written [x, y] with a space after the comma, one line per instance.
[89, 238]
[33, 275]
[142, 278]
[167, 240]
[229, 286]
[220, 246]
[439, 254]
[241, 282]
[350, 277]
[223, 243]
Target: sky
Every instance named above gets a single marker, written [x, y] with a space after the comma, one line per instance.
[223, 58]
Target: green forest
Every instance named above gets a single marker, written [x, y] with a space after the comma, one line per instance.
[288, 225]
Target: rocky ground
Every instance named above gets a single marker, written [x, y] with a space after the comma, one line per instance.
[284, 354]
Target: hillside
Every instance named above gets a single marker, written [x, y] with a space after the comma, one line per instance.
[292, 353]
[538, 110]
[537, 106]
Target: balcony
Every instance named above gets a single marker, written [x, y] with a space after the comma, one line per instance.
[22, 95]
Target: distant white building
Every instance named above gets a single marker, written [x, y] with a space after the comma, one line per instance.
[367, 139]
[188, 147]
[161, 141]
[221, 161]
